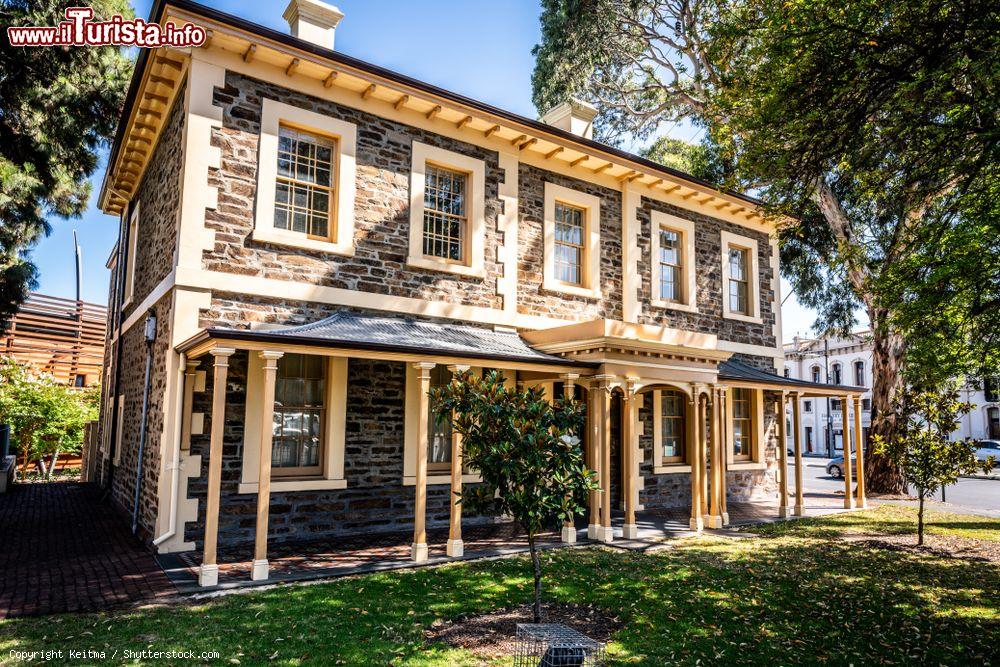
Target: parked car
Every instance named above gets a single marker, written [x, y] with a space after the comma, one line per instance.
[835, 468]
[988, 448]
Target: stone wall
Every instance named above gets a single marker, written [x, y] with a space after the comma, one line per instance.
[375, 498]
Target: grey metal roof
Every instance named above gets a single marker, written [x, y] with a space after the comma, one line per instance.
[348, 329]
[734, 369]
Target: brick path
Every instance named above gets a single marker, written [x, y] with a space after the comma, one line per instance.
[62, 550]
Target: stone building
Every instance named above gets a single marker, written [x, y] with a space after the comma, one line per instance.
[309, 242]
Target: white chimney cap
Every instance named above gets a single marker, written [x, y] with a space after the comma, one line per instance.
[313, 21]
[574, 115]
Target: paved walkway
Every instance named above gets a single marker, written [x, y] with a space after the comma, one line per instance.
[62, 550]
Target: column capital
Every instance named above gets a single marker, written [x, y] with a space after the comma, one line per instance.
[606, 382]
[222, 352]
[424, 369]
[270, 358]
[570, 377]
[191, 366]
[458, 368]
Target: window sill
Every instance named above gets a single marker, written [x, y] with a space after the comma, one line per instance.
[743, 318]
[293, 240]
[684, 307]
[435, 479]
[296, 485]
[746, 465]
[672, 469]
[446, 267]
[550, 285]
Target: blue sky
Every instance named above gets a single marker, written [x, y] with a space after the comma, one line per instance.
[478, 49]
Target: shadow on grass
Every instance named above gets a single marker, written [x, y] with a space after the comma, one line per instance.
[775, 601]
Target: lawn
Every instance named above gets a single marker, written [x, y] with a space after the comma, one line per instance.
[794, 593]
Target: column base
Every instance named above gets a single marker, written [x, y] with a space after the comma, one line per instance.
[208, 575]
[862, 504]
[260, 570]
[418, 552]
[605, 534]
[630, 531]
[725, 518]
[848, 503]
[593, 530]
[783, 512]
[569, 534]
[696, 523]
[799, 510]
[714, 521]
[455, 548]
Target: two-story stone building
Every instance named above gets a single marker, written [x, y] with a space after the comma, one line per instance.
[310, 242]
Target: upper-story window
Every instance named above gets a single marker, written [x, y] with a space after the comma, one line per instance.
[740, 278]
[672, 262]
[788, 372]
[447, 211]
[859, 373]
[305, 183]
[572, 240]
[816, 374]
[807, 406]
[133, 248]
[570, 228]
[446, 217]
[836, 375]
[305, 180]
[991, 389]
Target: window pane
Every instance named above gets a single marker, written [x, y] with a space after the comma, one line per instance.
[445, 219]
[299, 398]
[438, 434]
[568, 250]
[742, 423]
[673, 428]
[305, 182]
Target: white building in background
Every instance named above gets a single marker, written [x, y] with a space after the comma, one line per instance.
[848, 361]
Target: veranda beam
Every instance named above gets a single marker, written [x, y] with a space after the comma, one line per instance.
[260, 570]
[208, 574]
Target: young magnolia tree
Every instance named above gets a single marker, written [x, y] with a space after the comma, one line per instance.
[527, 451]
[921, 448]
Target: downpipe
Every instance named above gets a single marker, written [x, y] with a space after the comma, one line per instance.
[150, 336]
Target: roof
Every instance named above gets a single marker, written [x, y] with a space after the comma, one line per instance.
[348, 329]
[739, 371]
[157, 13]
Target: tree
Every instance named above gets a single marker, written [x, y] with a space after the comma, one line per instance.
[921, 448]
[527, 452]
[46, 417]
[57, 106]
[864, 122]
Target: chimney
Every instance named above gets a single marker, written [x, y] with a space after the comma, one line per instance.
[313, 21]
[573, 115]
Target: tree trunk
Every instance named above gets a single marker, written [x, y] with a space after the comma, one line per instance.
[881, 474]
[920, 520]
[52, 465]
[537, 566]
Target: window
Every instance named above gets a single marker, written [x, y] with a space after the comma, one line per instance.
[859, 373]
[305, 180]
[742, 425]
[788, 372]
[79, 380]
[866, 404]
[836, 376]
[572, 242]
[304, 185]
[816, 375]
[835, 404]
[299, 397]
[447, 211]
[130, 260]
[438, 432]
[991, 389]
[807, 406]
[673, 426]
[993, 422]
[569, 243]
[809, 438]
[672, 261]
[740, 278]
[445, 218]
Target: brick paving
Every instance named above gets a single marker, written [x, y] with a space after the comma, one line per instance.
[63, 550]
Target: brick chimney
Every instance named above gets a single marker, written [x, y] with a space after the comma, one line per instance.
[573, 115]
[313, 21]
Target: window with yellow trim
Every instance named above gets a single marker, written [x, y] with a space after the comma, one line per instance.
[673, 427]
[446, 218]
[299, 415]
[569, 243]
[304, 188]
[742, 410]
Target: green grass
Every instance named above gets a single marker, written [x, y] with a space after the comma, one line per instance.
[792, 595]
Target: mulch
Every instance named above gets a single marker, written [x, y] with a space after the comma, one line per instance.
[491, 635]
[944, 546]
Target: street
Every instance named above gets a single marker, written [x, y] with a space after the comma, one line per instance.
[981, 495]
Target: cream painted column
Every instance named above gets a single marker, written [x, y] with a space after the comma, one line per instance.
[190, 377]
[569, 390]
[455, 547]
[630, 529]
[418, 550]
[715, 502]
[845, 404]
[799, 508]
[593, 449]
[782, 458]
[706, 430]
[208, 575]
[605, 532]
[260, 567]
[862, 500]
[697, 428]
[724, 448]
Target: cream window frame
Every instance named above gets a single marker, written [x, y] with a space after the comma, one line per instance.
[133, 248]
[685, 228]
[119, 424]
[475, 242]
[757, 435]
[659, 466]
[334, 436]
[411, 422]
[730, 240]
[590, 285]
[275, 114]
